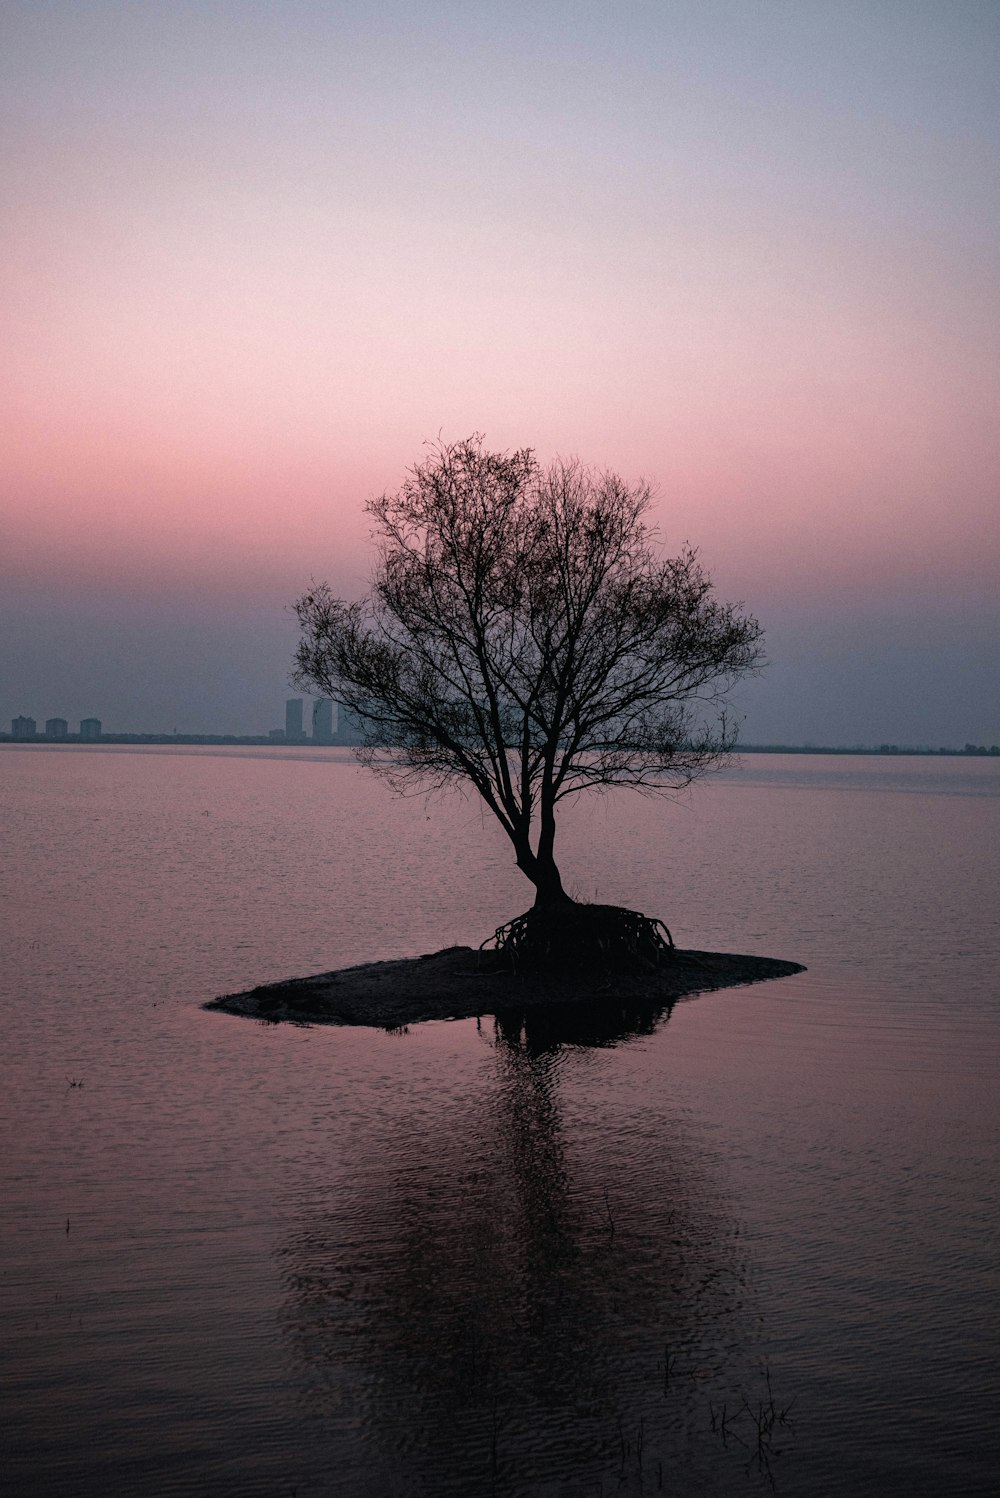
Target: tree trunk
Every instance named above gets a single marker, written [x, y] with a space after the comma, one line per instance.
[541, 869]
[548, 885]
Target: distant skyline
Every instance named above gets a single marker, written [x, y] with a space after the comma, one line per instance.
[256, 254]
[320, 730]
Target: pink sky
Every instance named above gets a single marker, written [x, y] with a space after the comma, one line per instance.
[257, 254]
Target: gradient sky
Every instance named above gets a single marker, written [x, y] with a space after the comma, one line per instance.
[254, 255]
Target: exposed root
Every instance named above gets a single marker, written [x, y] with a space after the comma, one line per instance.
[574, 936]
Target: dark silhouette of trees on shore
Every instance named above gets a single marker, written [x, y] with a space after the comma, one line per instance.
[522, 634]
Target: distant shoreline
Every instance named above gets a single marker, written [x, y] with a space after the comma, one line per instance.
[461, 983]
[73, 741]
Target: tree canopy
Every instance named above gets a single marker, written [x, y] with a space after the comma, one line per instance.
[524, 635]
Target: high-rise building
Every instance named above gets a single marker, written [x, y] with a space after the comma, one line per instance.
[23, 728]
[350, 728]
[323, 720]
[56, 728]
[90, 728]
[293, 720]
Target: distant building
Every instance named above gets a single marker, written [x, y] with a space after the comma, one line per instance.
[350, 729]
[323, 720]
[276, 735]
[90, 728]
[23, 728]
[56, 728]
[293, 720]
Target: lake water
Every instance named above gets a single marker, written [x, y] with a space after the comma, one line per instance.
[753, 1249]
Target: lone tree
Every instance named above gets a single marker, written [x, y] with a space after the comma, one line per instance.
[523, 634]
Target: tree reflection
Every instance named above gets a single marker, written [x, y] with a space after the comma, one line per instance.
[538, 1289]
[540, 1030]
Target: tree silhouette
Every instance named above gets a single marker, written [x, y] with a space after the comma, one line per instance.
[522, 634]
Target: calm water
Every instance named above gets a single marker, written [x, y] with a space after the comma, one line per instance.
[756, 1246]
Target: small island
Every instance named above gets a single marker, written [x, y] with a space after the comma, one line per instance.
[462, 983]
[524, 638]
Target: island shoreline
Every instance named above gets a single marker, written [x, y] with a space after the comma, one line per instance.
[462, 983]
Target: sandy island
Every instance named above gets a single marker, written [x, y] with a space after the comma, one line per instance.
[461, 983]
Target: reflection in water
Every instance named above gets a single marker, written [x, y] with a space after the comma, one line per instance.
[605, 1022]
[526, 1294]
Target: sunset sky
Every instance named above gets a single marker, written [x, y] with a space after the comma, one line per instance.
[255, 254]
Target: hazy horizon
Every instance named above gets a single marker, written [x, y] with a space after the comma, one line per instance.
[110, 730]
[258, 254]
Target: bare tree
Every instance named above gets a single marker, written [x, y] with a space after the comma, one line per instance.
[522, 634]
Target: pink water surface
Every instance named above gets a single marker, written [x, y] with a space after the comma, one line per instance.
[481, 1257]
